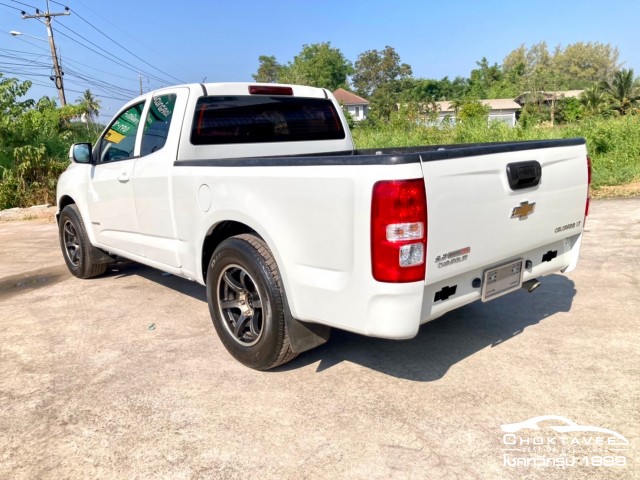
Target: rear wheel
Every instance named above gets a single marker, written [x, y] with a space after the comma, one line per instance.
[246, 302]
[75, 245]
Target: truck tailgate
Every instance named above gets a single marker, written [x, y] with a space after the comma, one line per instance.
[477, 219]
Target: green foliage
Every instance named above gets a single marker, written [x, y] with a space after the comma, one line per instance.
[317, 65]
[489, 81]
[593, 102]
[613, 143]
[569, 110]
[623, 91]
[428, 90]
[576, 66]
[472, 111]
[34, 142]
[268, 71]
[348, 117]
[32, 179]
[582, 64]
[380, 76]
[89, 105]
[374, 69]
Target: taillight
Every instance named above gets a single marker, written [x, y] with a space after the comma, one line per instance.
[586, 208]
[269, 90]
[399, 231]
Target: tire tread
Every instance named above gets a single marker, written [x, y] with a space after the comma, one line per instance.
[286, 353]
[87, 269]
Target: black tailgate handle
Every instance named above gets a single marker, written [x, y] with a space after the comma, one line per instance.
[524, 174]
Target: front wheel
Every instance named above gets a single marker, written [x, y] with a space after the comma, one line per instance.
[246, 302]
[75, 245]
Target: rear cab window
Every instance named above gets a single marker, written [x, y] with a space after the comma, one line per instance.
[262, 119]
[157, 123]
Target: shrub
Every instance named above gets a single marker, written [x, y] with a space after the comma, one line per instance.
[613, 143]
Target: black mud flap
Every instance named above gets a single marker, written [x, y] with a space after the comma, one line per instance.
[304, 336]
[100, 256]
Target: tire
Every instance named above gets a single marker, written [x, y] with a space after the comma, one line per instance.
[247, 303]
[75, 244]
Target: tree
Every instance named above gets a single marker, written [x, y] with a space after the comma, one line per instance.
[34, 141]
[269, 70]
[379, 75]
[489, 81]
[11, 89]
[422, 90]
[89, 105]
[582, 64]
[593, 101]
[575, 66]
[318, 65]
[376, 68]
[472, 110]
[623, 91]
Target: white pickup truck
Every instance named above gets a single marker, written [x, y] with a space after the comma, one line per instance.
[257, 192]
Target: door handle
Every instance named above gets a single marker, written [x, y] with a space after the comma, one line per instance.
[124, 177]
[524, 174]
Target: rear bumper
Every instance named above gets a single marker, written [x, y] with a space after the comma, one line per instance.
[559, 256]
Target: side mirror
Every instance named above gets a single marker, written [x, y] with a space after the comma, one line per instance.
[80, 153]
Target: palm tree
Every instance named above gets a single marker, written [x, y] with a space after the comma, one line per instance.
[90, 105]
[593, 101]
[623, 91]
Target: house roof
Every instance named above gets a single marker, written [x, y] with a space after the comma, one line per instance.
[349, 98]
[493, 104]
[552, 95]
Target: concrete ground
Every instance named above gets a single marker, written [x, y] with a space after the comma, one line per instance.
[123, 377]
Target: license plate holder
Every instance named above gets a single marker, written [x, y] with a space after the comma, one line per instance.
[500, 280]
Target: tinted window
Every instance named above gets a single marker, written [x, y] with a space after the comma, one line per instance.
[156, 127]
[120, 140]
[259, 119]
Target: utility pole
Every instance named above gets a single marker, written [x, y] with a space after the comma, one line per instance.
[58, 73]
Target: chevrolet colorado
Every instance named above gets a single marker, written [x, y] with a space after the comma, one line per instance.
[257, 192]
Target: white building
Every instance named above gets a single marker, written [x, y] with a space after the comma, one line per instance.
[501, 110]
[357, 106]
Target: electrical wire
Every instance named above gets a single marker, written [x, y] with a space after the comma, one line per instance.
[11, 6]
[67, 60]
[126, 49]
[88, 78]
[116, 26]
[25, 4]
[120, 62]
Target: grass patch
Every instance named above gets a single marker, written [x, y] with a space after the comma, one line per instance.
[614, 143]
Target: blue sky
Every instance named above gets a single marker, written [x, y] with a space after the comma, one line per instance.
[221, 41]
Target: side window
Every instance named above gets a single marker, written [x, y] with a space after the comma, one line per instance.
[120, 140]
[156, 125]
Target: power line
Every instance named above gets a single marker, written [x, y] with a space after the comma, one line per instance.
[87, 77]
[48, 85]
[68, 60]
[97, 69]
[25, 4]
[124, 48]
[117, 27]
[30, 65]
[122, 63]
[11, 6]
[104, 85]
